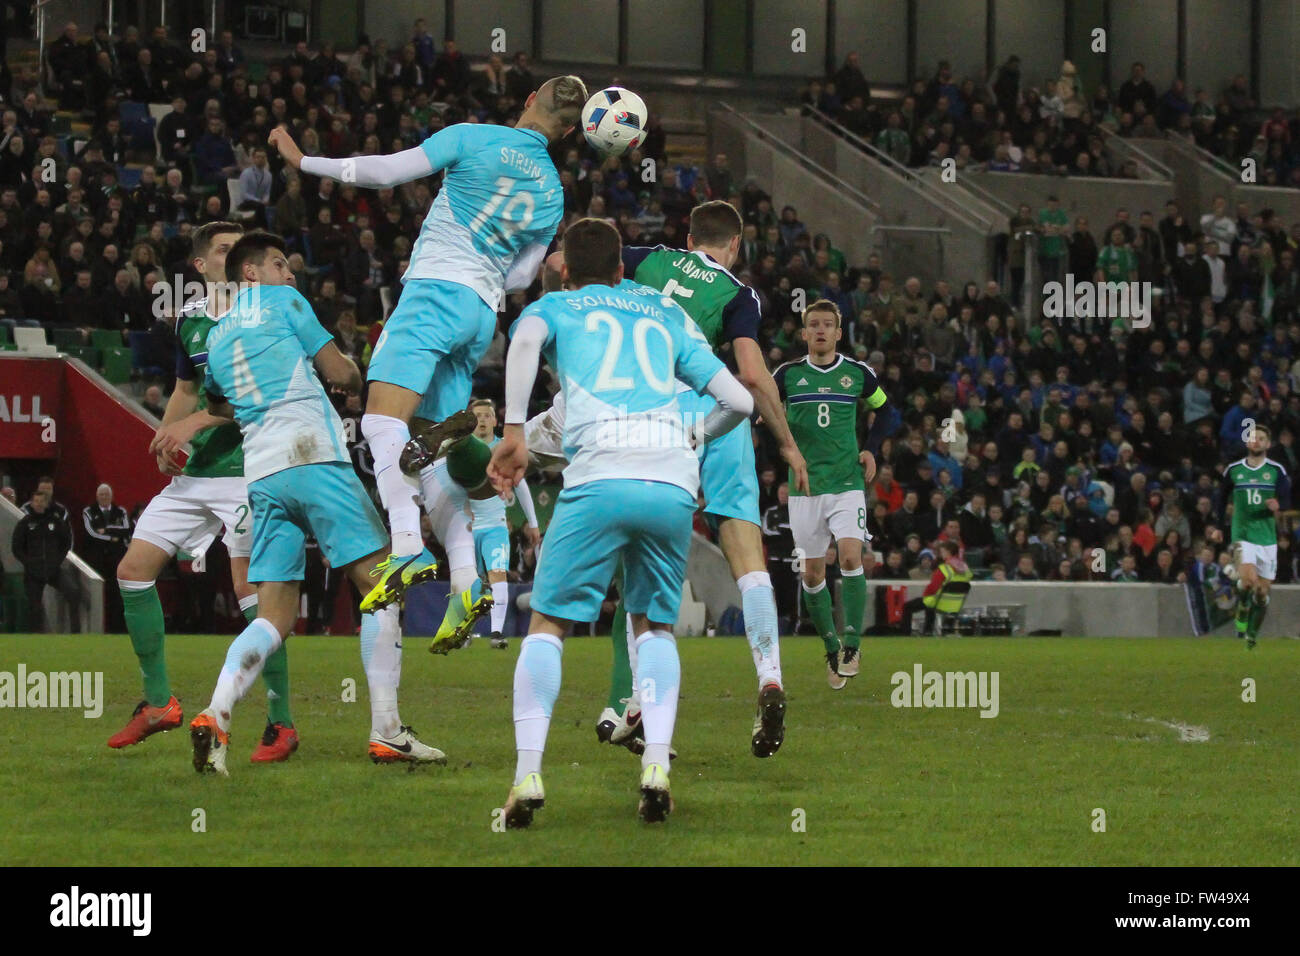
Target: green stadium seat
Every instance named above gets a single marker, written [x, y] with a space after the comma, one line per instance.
[5, 337]
[64, 339]
[105, 339]
[91, 356]
[117, 365]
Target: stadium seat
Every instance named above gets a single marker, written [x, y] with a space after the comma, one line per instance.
[144, 358]
[128, 177]
[129, 111]
[117, 365]
[105, 339]
[33, 341]
[6, 335]
[64, 339]
[85, 353]
[235, 194]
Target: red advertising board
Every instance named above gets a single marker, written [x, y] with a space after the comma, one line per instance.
[31, 403]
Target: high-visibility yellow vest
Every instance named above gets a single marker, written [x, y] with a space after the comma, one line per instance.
[947, 603]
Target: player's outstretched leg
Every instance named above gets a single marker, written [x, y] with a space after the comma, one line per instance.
[391, 741]
[537, 685]
[159, 710]
[818, 602]
[210, 730]
[659, 675]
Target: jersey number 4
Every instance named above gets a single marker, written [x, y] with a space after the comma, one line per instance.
[244, 384]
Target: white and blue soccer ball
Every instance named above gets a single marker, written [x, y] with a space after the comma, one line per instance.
[614, 121]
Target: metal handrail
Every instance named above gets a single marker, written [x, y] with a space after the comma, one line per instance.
[1153, 164]
[802, 159]
[1218, 165]
[904, 174]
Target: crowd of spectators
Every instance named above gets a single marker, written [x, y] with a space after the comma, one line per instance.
[1057, 127]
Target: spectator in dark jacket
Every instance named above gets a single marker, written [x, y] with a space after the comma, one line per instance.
[40, 543]
[108, 531]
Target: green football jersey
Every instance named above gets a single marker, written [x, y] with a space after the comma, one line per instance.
[721, 305]
[1251, 488]
[217, 452]
[822, 409]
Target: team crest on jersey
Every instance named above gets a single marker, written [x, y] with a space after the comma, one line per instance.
[845, 382]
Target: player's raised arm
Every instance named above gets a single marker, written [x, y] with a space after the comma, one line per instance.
[371, 172]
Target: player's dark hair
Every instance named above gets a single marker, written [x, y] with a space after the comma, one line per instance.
[823, 305]
[593, 251]
[201, 240]
[714, 223]
[483, 403]
[252, 247]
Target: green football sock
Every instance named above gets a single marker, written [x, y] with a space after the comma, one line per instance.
[144, 621]
[853, 592]
[1245, 604]
[1256, 617]
[819, 608]
[620, 672]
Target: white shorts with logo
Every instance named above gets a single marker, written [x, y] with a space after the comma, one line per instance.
[816, 519]
[1262, 556]
[191, 512]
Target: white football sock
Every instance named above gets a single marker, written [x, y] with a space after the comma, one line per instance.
[387, 436]
[537, 684]
[500, 599]
[758, 602]
[381, 656]
[658, 683]
[244, 661]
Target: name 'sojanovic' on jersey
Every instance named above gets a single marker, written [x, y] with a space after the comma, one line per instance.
[619, 352]
[822, 409]
[1251, 488]
[260, 361]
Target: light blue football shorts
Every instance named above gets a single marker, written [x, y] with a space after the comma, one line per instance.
[645, 523]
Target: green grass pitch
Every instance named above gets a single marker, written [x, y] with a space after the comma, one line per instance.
[1083, 724]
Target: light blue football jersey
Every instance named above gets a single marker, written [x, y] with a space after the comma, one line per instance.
[500, 194]
[488, 511]
[619, 352]
[260, 360]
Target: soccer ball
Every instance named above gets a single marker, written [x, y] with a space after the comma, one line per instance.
[614, 121]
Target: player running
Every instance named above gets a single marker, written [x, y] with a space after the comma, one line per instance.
[726, 311]
[204, 497]
[629, 489]
[822, 393]
[1257, 488]
[485, 235]
[300, 482]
